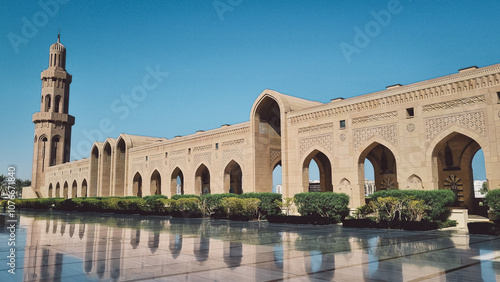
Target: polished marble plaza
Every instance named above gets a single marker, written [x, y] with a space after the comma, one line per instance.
[65, 246]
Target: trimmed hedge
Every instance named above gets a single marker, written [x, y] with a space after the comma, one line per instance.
[42, 203]
[493, 201]
[185, 207]
[212, 204]
[323, 204]
[241, 209]
[177, 197]
[438, 200]
[154, 205]
[267, 204]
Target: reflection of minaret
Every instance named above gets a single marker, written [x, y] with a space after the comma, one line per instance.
[53, 123]
[71, 230]
[81, 231]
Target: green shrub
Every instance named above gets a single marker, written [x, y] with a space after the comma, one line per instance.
[286, 204]
[211, 204]
[41, 203]
[153, 204]
[232, 206]
[323, 204]
[268, 205]
[438, 200]
[185, 207]
[168, 205]
[177, 197]
[251, 207]
[132, 205]
[247, 208]
[363, 211]
[493, 201]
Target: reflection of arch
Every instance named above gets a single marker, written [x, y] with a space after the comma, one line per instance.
[414, 182]
[233, 178]
[202, 180]
[155, 184]
[325, 170]
[319, 261]
[384, 164]
[175, 245]
[177, 172]
[73, 189]
[452, 165]
[154, 241]
[84, 188]
[50, 190]
[233, 253]
[94, 169]
[120, 154]
[202, 248]
[106, 170]
[135, 238]
[137, 185]
[58, 190]
[65, 191]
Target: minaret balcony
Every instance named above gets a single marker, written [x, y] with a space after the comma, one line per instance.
[49, 116]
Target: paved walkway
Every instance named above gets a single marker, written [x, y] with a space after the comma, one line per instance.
[90, 247]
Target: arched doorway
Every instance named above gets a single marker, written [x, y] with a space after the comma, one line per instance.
[120, 168]
[73, 189]
[452, 163]
[94, 171]
[177, 182]
[266, 124]
[233, 178]
[84, 188]
[325, 173]
[137, 185]
[58, 190]
[65, 190]
[202, 180]
[106, 171]
[155, 184]
[50, 190]
[384, 167]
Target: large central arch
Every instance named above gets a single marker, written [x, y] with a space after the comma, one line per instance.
[384, 165]
[452, 164]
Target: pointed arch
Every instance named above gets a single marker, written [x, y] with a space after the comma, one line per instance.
[120, 167]
[325, 170]
[84, 191]
[383, 156]
[176, 188]
[155, 183]
[414, 182]
[106, 177]
[137, 185]
[58, 190]
[74, 189]
[47, 102]
[56, 150]
[202, 180]
[451, 163]
[50, 192]
[65, 190]
[94, 169]
[233, 178]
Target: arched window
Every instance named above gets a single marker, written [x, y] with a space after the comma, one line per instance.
[47, 103]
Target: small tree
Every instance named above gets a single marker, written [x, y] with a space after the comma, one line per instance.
[287, 204]
[484, 188]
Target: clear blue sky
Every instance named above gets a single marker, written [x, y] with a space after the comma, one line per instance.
[219, 61]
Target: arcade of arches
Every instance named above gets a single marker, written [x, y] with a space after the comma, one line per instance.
[418, 136]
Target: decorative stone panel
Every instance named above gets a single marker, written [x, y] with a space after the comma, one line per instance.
[454, 103]
[275, 155]
[202, 158]
[202, 148]
[233, 142]
[474, 121]
[313, 128]
[177, 162]
[375, 117]
[323, 140]
[389, 132]
[178, 152]
[236, 154]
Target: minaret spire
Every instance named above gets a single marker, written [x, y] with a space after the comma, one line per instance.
[59, 36]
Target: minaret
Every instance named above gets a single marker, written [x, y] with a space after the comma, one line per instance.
[53, 123]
